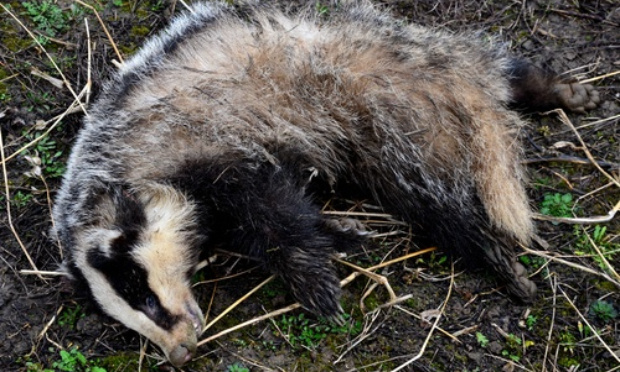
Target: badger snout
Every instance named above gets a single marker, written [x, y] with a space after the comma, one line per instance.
[187, 334]
[182, 353]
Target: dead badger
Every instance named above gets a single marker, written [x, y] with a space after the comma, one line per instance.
[216, 130]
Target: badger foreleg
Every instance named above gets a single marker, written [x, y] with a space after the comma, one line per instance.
[277, 223]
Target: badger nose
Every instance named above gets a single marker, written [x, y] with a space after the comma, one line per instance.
[182, 354]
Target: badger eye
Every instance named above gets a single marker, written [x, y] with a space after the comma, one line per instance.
[151, 303]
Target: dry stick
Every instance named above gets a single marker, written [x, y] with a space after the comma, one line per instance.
[598, 122]
[42, 272]
[366, 332]
[380, 279]
[105, 29]
[571, 264]
[89, 81]
[430, 333]
[554, 288]
[64, 79]
[453, 337]
[250, 322]
[580, 220]
[8, 207]
[583, 318]
[567, 121]
[599, 77]
[236, 303]
[601, 255]
[294, 306]
[56, 120]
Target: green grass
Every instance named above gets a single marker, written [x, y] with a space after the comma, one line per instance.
[304, 332]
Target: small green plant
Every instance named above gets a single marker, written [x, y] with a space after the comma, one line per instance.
[74, 361]
[557, 205]
[301, 331]
[483, 341]
[46, 155]
[513, 347]
[21, 199]
[534, 262]
[236, 367]
[70, 316]
[603, 310]
[47, 16]
[530, 322]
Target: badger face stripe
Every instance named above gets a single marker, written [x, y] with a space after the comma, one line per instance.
[130, 281]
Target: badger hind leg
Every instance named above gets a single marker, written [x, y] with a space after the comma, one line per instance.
[535, 89]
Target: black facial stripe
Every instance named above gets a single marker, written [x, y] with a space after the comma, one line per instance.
[130, 281]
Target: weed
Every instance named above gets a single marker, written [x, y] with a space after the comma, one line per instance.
[603, 310]
[46, 154]
[557, 205]
[302, 331]
[70, 316]
[568, 341]
[530, 322]
[483, 341]
[598, 236]
[534, 262]
[47, 16]
[236, 367]
[70, 361]
[21, 199]
[513, 349]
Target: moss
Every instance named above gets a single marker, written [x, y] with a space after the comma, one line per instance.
[139, 31]
[122, 361]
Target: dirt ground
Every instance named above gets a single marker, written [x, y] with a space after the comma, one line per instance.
[447, 319]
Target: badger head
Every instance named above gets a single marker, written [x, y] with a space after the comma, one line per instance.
[137, 253]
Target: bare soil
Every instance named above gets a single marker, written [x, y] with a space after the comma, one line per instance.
[573, 326]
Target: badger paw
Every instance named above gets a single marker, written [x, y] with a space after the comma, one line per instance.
[521, 286]
[319, 294]
[577, 97]
[348, 225]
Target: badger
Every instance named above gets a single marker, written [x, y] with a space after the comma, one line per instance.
[222, 130]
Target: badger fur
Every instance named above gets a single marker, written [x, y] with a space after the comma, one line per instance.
[215, 132]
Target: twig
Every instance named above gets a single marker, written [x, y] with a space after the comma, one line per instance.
[236, 303]
[105, 29]
[430, 333]
[580, 220]
[601, 255]
[55, 120]
[36, 40]
[567, 121]
[581, 15]
[250, 322]
[571, 264]
[8, 206]
[568, 159]
[40, 272]
[583, 318]
[554, 287]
